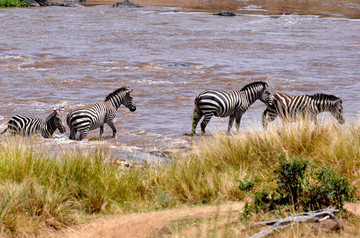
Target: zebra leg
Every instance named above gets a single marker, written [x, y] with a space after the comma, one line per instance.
[238, 120]
[314, 119]
[267, 117]
[72, 133]
[197, 115]
[112, 126]
[204, 123]
[231, 121]
[84, 133]
[101, 131]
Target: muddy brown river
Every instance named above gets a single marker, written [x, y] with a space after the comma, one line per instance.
[57, 56]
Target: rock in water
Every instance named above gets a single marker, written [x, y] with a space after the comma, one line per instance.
[225, 13]
[126, 4]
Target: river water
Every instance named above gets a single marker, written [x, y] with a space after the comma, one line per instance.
[56, 56]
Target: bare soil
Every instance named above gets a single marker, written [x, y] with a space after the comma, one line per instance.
[153, 224]
[159, 223]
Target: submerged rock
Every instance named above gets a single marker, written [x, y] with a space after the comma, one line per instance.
[126, 4]
[225, 13]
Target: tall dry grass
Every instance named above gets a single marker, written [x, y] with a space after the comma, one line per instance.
[40, 190]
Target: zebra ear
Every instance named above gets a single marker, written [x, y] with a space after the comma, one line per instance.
[130, 90]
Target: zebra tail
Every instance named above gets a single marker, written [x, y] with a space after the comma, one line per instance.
[6, 122]
[3, 132]
[196, 101]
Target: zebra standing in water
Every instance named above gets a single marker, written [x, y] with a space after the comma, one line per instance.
[228, 103]
[27, 126]
[291, 108]
[84, 119]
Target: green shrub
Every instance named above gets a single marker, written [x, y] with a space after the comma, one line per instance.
[14, 3]
[302, 186]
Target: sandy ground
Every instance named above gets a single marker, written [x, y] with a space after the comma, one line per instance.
[154, 224]
[147, 224]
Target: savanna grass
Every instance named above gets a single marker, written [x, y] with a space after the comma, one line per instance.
[41, 190]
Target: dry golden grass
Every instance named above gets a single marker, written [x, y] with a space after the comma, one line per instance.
[66, 188]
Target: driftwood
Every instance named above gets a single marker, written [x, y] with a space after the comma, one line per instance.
[313, 216]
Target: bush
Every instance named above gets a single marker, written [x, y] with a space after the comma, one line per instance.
[14, 3]
[303, 186]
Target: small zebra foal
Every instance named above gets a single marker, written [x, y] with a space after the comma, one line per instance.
[27, 126]
[211, 103]
[291, 108]
[90, 117]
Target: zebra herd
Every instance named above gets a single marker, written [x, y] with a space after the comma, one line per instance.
[209, 103]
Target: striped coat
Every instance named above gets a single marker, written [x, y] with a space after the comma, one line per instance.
[90, 117]
[292, 108]
[27, 126]
[231, 104]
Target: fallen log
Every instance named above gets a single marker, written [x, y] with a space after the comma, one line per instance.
[312, 216]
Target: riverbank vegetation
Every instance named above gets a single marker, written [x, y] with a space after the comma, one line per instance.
[41, 191]
[14, 3]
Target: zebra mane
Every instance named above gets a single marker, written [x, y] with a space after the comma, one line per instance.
[254, 84]
[51, 116]
[117, 91]
[322, 96]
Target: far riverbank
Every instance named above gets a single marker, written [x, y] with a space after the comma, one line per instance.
[346, 8]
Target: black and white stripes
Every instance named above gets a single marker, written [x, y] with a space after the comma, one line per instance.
[291, 108]
[84, 119]
[27, 126]
[211, 103]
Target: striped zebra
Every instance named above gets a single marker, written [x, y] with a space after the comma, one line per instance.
[27, 126]
[211, 103]
[291, 108]
[86, 118]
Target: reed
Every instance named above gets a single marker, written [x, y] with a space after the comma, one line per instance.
[40, 190]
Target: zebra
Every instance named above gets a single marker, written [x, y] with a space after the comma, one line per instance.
[228, 103]
[291, 108]
[27, 126]
[90, 117]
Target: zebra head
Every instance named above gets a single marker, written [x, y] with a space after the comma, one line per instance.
[121, 96]
[330, 103]
[336, 110]
[128, 101]
[258, 90]
[54, 121]
[266, 96]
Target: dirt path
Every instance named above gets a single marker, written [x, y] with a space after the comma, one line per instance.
[154, 224]
[147, 224]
